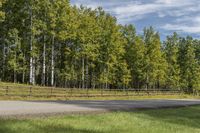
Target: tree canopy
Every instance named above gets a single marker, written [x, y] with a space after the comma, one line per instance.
[52, 43]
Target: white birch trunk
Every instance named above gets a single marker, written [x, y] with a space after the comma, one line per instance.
[52, 62]
[44, 63]
[31, 71]
[4, 60]
[87, 73]
[33, 78]
[31, 49]
[83, 73]
[14, 72]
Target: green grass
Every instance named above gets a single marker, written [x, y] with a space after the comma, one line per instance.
[101, 98]
[181, 120]
[22, 91]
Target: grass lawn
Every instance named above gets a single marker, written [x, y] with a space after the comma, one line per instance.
[22, 91]
[184, 96]
[181, 120]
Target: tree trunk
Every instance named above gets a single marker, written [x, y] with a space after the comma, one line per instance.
[87, 73]
[52, 62]
[31, 49]
[33, 72]
[107, 73]
[4, 61]
[14, 76]
[83, 73]
[44, 62]
[147, 81]
[23, 76]
[14, 72]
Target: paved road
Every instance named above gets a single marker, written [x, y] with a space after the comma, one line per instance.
[42, 108]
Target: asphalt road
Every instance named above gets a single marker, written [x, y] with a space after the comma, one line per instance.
[46, 108]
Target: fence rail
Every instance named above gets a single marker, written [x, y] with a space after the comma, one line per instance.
[34, 91]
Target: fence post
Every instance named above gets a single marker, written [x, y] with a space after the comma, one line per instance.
[30, 91]
[194, 92]
[66, 92]
[51, 91]
[147, 91]
[87, 92]
[139, 92]
[6, 90]
[127, 92]
[71, 91]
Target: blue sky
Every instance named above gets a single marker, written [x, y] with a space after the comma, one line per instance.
[166, 16]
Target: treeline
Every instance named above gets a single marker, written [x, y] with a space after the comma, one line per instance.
[51, 43]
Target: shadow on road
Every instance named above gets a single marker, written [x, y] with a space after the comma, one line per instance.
[126, 105]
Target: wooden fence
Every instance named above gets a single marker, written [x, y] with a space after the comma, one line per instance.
[34, 91]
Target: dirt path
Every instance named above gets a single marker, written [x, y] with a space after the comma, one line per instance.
[43, 108]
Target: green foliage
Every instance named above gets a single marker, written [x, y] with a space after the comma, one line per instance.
[135, 56]
[190, 69]
[155, 63]
[2, 14]
[171, 55]
[52, 43]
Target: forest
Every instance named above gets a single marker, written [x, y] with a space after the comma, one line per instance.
[52, 43]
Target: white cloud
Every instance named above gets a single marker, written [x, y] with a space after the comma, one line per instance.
[171, 1]
[182, 28]
[192, 19]
[184, 14]
[164, 1]
[161, 7]
[124, 10]
[186, 24]
[136, 9]
[91, 5]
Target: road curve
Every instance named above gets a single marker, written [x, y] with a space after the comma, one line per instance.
[46, 108]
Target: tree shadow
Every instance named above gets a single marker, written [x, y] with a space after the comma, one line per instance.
[186, 116]
[16, 126]
[184, 113]
[126, 105]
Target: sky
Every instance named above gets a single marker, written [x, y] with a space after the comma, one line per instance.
[166, 16]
